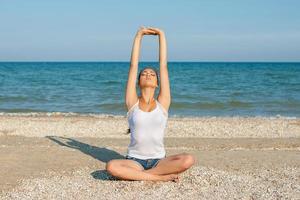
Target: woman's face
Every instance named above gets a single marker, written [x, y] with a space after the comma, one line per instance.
[148, 78]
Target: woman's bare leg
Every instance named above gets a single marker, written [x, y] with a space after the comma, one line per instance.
[130, 170]
[173, 164]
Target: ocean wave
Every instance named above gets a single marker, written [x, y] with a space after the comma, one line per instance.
[66, 114]
[100, 115]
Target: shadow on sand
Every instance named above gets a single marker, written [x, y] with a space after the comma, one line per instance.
[99, 153]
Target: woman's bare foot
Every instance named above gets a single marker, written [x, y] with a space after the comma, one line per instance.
[170, 177]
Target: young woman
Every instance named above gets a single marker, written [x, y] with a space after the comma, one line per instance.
[147, 117]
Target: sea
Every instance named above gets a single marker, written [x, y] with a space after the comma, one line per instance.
[197, 88]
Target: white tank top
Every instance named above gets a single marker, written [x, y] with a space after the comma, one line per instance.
[147, 132]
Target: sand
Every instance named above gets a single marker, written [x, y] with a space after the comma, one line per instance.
[60, 156]
[104, 126]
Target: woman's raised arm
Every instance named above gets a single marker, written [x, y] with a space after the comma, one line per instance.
[164, 96]
[131, 94]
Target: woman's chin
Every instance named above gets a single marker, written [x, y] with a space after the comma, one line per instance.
[148, 86]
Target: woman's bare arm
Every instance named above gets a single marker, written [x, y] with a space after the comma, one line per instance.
[164, 96]
[131, 94]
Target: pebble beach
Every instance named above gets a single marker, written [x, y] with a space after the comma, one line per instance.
[63, 156]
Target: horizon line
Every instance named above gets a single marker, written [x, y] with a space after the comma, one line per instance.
[95, 61]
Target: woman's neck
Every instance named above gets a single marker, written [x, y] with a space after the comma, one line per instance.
[147, 95]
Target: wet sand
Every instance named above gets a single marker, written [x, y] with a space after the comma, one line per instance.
[63, 157]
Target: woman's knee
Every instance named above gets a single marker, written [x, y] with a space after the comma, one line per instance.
[111, 166]
[188, 160]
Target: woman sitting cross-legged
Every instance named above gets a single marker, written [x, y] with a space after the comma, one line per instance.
[147, 117]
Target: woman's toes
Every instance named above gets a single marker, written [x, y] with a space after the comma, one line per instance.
[174, 177]
[168, 177]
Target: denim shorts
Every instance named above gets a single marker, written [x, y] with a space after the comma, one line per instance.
[145, 163]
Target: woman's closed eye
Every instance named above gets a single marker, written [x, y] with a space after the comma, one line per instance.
[146, 74]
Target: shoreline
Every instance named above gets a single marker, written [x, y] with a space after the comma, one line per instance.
[99, 115]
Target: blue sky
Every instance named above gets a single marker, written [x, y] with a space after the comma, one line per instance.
[103, 30]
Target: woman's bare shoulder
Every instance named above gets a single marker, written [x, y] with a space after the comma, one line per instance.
[164, 105]
[131, 103]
